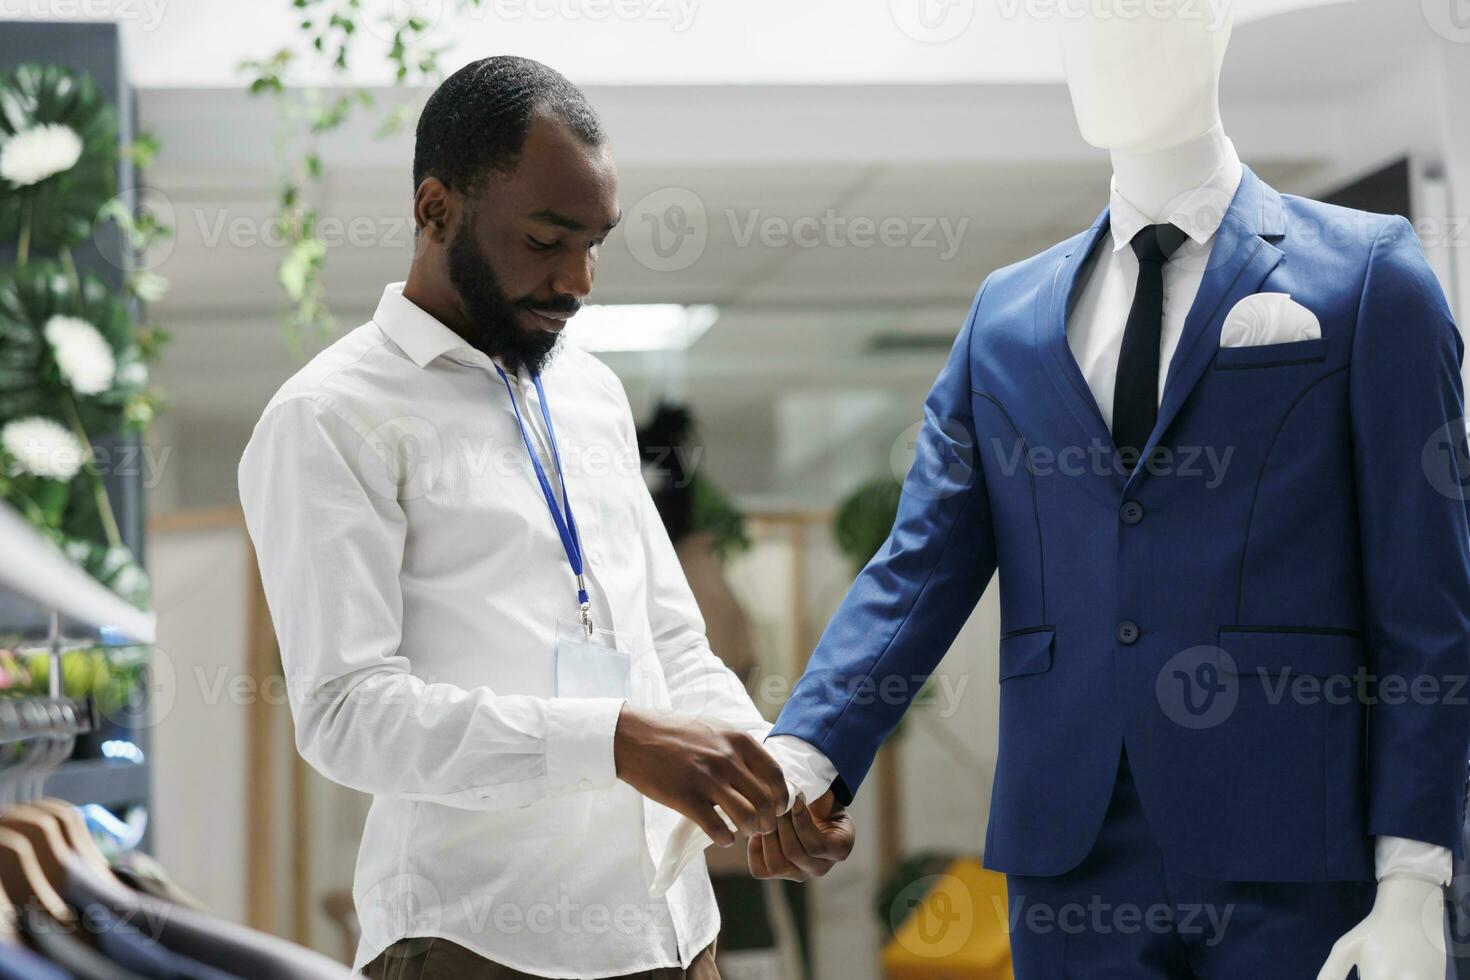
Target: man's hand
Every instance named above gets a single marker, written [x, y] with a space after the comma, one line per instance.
[807, 842]
[1401, 939]
[690, 767]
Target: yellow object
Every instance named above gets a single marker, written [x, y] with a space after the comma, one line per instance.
[953, 927]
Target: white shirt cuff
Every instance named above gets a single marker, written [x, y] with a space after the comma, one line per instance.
[807, 770]
[1395, 855]
[579, 743]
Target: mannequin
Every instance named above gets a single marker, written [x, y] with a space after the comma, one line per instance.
[1146, 89]
[1149, 759]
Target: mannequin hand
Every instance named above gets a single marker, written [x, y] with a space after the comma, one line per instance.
[1394, 941]
[808, 841]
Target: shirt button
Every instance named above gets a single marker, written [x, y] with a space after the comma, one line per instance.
[1127, 632]
[584, 784]
[1131, 513]
[596, 557]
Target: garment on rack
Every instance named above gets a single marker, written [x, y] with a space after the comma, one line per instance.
[132, 949]
[19, 963]
[225, 946]
[74, 956]
[143, 874]
[54, 863]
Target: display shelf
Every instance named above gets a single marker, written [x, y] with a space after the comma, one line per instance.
[110, 782]
[36, 569]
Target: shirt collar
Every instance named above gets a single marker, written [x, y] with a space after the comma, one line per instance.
[1198, 214]
[419, 335]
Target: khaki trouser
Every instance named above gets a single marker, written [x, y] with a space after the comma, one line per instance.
[440, 959]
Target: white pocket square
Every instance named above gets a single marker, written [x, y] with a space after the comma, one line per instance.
[1269, 318]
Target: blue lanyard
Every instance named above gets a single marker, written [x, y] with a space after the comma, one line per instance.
[566, 524]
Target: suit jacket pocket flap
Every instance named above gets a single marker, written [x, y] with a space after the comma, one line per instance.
[1272, 355]
[1025, 652]
[1270, 650]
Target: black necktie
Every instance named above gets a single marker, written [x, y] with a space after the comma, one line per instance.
[1136, 393]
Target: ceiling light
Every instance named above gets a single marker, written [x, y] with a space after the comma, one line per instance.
[640, 327]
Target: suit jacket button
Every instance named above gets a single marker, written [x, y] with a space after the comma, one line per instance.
[1127, 632]
[1131, 513]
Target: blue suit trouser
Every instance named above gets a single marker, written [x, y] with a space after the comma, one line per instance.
[1123, 914]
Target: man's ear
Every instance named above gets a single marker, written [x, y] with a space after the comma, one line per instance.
[435, 210]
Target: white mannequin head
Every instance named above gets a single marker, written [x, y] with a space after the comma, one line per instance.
[1144, 74]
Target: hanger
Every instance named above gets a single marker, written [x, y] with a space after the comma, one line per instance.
[41, 829]
[24, 881]
[9, 922]
[74, 829]
[68, 820]
[34, 844]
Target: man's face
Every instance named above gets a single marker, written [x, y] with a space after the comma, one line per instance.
[524, 253]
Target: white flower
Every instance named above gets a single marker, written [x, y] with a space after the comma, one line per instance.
[85, 360]
[43, 447]
[133, 374]
[32, 155]
[149, 286]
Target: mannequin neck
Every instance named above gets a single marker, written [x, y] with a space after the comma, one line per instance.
[1153, 182]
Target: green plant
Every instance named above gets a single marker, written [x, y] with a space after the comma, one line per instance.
[50, 115]
[109, 675]
[329, 35]
[902, 887]
[13, 674]
[716, 514]
[73, 361]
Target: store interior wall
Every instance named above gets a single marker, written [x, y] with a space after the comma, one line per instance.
[200, 796]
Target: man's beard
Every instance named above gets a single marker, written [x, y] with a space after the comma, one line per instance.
[493, 329]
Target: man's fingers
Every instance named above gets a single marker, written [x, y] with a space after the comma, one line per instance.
[792, 847]
[830, 841]
[766, 770]
[1339, 961]
[776, 860]
[702, 812]
[804, 824]
[755, 856]
[757, 808]
[739, 809]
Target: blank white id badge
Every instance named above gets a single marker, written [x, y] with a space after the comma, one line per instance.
[595, 666]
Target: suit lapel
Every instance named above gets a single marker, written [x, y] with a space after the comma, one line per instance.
[1055, 305]
[1240, 261]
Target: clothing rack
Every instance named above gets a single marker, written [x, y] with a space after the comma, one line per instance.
[24, 719]
[37, 571]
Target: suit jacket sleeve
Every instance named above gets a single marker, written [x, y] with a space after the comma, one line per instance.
[1408, 410]
[903, 612]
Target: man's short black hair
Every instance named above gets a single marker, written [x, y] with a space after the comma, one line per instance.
[476, 122]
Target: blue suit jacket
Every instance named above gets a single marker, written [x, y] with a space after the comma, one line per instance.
[1273, 615]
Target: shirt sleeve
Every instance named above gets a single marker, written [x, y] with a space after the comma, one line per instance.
[1395, 855]
[807, 770]
[323, 512]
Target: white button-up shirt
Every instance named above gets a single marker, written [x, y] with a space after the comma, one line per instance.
[1097, 322]
[416, 581]
[1095, 335]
